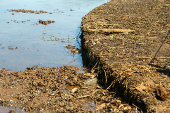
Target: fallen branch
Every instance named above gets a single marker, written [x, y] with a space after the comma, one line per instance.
[155, 58]
[83, 96]
[110, 30]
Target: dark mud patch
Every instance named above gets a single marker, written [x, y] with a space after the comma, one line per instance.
[18, 21]
[50, 37]
[27, 11]
[73, 49]
[61, 89]
[122, 59]
[10, 47]
[46, 22]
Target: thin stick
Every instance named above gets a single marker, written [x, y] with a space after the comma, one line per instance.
[110, 30]
[155, 58]
[110, 85]
[105, 77]
[159, 48]
[84, 96]
[93, 67]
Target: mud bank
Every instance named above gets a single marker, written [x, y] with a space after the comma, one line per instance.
[62, 90]
[131, 63]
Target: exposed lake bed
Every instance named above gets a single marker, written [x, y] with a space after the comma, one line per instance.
[72, 89]
[62, 89]
[127, 42]
[48, 37]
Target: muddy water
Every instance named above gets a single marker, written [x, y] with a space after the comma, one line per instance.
[25, 43]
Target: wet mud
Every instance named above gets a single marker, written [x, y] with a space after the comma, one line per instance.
[121, 62]
[62, 89]
[9, 47]
[35, 12]
[127, 44]
[26, 11]
[32, 11]
[73, 49]
[46, 22]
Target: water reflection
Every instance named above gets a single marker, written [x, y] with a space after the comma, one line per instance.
[25, 42]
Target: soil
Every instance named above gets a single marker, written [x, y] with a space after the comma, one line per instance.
[46, 22]
[127, 43]
[123, 62]
[62, 89]
[27, 11]
[32, 11]
[73, 49]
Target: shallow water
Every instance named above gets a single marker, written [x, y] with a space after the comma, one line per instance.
[28, 43]
[25, 43]
[9, 110]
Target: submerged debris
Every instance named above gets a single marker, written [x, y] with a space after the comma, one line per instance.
[27, 11]
[46, 22]
[73, 49]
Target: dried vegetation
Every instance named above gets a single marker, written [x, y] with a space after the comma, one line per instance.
[61, 89]
[122, 60]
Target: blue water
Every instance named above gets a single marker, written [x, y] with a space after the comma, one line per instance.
[27, 44]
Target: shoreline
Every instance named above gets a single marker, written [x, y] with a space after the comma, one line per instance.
[121, 59]
[119, 40]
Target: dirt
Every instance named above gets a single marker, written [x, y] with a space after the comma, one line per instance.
[27, 11]
[46, 22]
[32, 11]
[62, 89]
[39, 22]
[35, 12]
[9, 47]
[126, 78]
[134, 64]
[73, 49]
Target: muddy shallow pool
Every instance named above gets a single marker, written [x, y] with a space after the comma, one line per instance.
[25, 42]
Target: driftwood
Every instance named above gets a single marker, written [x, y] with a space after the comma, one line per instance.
[155, 58]
[110, 30]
